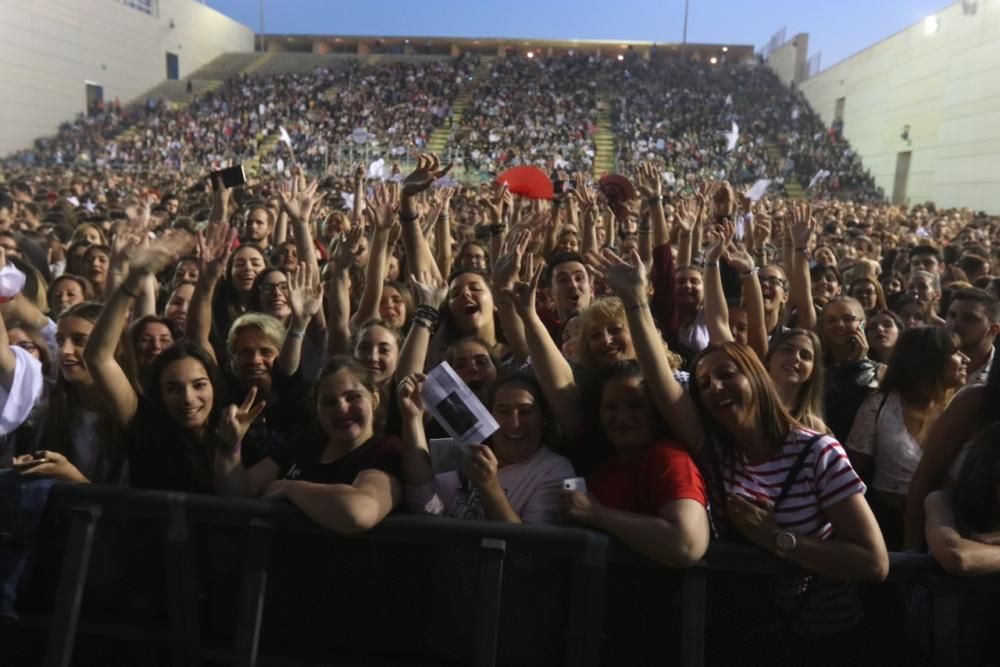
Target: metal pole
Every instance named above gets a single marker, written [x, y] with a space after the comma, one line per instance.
[263, 46]
[684, 40]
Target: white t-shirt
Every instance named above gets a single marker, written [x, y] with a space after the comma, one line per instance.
[532, 489]
[25, 390]
[895, 451]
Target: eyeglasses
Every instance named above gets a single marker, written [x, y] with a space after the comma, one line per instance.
[773, 281]
[846, 320]
[271, 288]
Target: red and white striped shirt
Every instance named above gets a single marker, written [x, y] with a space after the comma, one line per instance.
[826, 478]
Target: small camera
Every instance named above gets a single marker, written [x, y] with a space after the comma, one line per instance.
[575, 484]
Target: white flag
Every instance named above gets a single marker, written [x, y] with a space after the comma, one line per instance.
[732, 137]
[284, 136]
[757, 190]
[377, 169]
[818, 177]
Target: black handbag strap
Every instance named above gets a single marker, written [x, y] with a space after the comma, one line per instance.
[796, 468]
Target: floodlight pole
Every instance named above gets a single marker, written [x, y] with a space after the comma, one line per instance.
[685, 38]
[262, 46]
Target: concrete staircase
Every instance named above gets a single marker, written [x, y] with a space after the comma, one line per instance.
[439, 138]
[606, 157]
[793, 188]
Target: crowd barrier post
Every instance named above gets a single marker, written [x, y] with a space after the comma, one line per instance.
[255, 569]
[69, 596]
[491, 557]
[182, 582]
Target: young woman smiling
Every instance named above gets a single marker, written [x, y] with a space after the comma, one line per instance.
[341, 474]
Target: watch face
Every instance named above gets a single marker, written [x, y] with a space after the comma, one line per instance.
[785, 541]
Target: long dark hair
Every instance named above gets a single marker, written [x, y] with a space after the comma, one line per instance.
[529, 383]
[183, 350]
[974, 495]
[64, 412]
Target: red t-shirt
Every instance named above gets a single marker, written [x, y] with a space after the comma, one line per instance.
[644, 484]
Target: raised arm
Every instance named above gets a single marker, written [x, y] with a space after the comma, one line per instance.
[416, 456]
[628, 281]
[231, 478]
[338, 298]
[652, 190]
[716, 308]
[506, 268]
[305, 299]
[753, 297]
[382, 217]
[418, 253]
[800, 233]
[552, 370]
[112, 382]
[214, 247]
[413, 354]
[442, 231]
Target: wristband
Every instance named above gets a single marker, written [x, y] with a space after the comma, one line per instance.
[638, 306]
[128, 291]
[654, 200]
[751, 272]
[297, 334]
[714, 264]
[429, 314]
[408, 218]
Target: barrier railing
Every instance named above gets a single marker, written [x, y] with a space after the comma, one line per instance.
[212, 545]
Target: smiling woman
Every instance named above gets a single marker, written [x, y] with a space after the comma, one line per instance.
[515, 478]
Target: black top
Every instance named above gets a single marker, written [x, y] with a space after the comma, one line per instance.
[378, 453]
[165, 456]
[287, 415]
[847, 387]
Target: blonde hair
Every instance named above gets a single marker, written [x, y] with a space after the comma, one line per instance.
[269, 326]
[602, 311]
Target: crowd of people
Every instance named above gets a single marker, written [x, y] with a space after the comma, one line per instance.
[811, 377]
[533, 111]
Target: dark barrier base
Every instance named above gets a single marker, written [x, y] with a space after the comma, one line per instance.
[140, 578]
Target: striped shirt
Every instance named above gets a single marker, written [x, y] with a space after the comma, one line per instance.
[826, 478]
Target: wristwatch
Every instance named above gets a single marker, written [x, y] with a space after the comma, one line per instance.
[785, 542]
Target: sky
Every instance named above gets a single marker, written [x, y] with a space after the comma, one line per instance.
[836, 28]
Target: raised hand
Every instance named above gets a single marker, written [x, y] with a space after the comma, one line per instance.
[803, 226]
[761, 230]
[215, 244]
[626, 279]
[508, 265]
[428, 170]
[298, 204]
[716, 244]
[648, 181]
[522, 294]
[738, 258]
[305, 293]
[161, 252]
[724, 199]
[411, 400]
[494, 205]
[687, 216]
[349, 247]
[237, 419]
[427, 291]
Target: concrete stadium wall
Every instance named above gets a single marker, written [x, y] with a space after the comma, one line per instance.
[789, 60]
[49, 48]
[946, 87]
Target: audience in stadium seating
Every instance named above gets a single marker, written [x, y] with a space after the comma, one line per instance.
[673, 369]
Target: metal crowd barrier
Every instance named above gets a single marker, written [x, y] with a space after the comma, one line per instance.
[499, 550]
